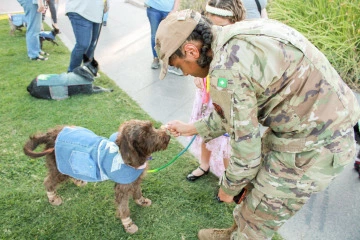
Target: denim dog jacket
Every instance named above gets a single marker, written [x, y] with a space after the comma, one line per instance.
[83, 155]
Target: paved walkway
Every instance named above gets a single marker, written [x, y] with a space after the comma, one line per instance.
[124, 55]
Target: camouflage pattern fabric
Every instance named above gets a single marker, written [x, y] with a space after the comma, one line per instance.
[265, 72]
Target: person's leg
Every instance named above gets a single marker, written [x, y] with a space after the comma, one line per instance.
[94, 38]
[285, 182]
[155, 18]
[204, 164]
[204, 160]
[33, 19]
[82, 29]
[56, 5]
[283, 185]
[53, 12]
[259, 216]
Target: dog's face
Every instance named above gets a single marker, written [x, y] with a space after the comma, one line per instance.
[138, 139]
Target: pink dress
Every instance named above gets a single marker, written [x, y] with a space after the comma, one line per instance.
[219, 147]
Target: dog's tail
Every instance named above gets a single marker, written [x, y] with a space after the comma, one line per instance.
[34, 142]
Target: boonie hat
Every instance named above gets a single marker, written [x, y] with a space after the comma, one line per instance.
[172, 33]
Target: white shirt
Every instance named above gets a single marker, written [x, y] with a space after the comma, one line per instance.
[92, 10]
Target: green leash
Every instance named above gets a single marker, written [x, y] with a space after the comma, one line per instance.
[174, 159]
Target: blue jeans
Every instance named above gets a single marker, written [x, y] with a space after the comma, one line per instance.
[155, 17]
[33, 20]
[86, 36]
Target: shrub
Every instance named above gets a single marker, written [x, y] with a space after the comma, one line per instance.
[331, 25]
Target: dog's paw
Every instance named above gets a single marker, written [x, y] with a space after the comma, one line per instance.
[145, 202]
[79, 183]
[129, 226]
[54, 199]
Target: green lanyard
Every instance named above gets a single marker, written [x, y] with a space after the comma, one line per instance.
[174, 159]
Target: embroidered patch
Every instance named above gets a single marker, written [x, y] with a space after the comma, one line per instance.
[222, 82]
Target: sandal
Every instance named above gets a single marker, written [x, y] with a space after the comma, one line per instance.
[44, 53]
[191, 177]
[39, 58]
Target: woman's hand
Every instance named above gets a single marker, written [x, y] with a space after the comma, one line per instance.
[178, 128]
[224, 197]
[41, 7]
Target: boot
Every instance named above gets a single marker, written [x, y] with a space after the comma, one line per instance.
[216, 234]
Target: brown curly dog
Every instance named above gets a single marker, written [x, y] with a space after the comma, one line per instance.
[78, 154]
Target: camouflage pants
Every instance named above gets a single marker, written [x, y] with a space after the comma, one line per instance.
[284, 184]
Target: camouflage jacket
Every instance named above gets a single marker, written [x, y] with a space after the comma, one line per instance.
[264, 72]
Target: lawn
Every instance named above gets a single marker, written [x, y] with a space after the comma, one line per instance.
[179, 208]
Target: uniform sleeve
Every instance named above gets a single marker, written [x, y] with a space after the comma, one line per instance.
[210, 127]
[245, 140]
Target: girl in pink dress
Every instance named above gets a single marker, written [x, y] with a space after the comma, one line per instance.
[213, 155]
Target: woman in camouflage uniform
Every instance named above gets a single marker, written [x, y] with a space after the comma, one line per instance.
[263, 71]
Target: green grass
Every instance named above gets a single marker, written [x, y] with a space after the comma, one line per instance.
[331, 25]
[179, 208]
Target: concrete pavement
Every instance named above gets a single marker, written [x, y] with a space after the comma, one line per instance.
[125, 56]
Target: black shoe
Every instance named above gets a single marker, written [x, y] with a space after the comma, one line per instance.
[191, 177]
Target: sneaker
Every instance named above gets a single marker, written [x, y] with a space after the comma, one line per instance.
[176, 71]
[155, 64]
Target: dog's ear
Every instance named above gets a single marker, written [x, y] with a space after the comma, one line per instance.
[132, 142]
[126, 149]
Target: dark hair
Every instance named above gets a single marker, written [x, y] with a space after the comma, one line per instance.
[202, 33]
[234, 6]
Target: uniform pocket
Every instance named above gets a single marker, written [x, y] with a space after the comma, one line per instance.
[82, 164]
[264, 206]
[253, 199]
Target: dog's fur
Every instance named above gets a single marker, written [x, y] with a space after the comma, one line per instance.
[136, 140]
[48, 36]
[43, 92]
[20, 22]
